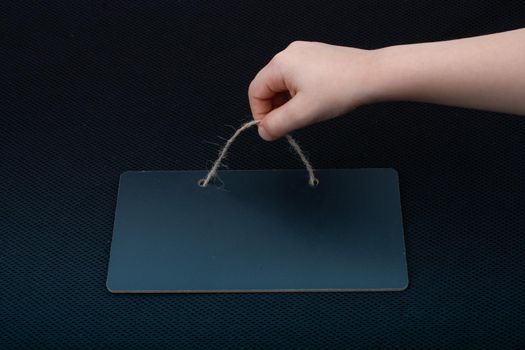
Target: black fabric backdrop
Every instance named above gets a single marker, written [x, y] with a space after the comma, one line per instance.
[89, 89]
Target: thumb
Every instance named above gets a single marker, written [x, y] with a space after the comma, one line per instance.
[290, 116]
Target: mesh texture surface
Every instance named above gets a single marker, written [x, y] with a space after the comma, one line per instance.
[89, 89]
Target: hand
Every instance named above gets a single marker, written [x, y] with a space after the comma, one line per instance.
[310, 82]
[307, 83]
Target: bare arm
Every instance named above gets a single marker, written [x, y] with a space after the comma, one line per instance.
[485, 72]
[310, 82]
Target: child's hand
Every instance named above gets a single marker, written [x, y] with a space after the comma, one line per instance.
[310, 82]
[306, 83]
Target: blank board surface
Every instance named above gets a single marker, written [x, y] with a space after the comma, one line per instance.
[265, 230]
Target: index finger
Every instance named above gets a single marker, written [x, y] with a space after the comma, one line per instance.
[268, 83]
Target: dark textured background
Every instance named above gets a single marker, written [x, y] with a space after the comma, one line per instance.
[89, 89]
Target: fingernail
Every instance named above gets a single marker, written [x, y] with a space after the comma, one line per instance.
[264, 134]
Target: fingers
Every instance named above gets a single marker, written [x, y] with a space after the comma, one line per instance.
[292, 115]
[269, 101]
[265, 91]
[269, 95]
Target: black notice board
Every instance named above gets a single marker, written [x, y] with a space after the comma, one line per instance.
[263, 230]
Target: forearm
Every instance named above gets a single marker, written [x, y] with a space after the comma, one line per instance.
[486, 72]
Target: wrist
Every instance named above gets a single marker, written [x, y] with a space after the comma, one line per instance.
[388, 77]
